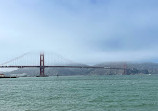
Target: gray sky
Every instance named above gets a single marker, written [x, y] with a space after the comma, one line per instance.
[87, 31]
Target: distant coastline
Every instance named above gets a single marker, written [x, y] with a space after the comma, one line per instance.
[132, 68]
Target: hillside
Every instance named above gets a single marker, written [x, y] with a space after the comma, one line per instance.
[132, 68]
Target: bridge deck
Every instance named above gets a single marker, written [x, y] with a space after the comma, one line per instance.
[60, 67]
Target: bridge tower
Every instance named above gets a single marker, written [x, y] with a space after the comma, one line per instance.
[125, 69]
[42, 65]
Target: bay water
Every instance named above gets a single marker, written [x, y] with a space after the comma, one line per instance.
[80, 93]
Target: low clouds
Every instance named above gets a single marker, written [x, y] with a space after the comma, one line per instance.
[83, 30]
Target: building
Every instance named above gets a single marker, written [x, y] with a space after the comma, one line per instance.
[2, 75]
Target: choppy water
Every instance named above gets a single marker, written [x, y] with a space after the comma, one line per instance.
[80, 93]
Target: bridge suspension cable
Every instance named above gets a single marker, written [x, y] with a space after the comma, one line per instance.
[42, 63]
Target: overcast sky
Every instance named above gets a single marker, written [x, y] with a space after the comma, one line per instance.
[88, 31]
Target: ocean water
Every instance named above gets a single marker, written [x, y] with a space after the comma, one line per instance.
[80, 93]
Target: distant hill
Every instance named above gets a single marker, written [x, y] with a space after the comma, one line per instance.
[1, 72]
[52, 71]
[132, 68]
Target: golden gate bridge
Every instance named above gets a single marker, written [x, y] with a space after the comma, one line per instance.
[41, 65]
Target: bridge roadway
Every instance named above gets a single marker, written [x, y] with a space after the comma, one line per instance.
[60, 67]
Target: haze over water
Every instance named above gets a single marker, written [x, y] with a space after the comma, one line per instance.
[80, 93]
